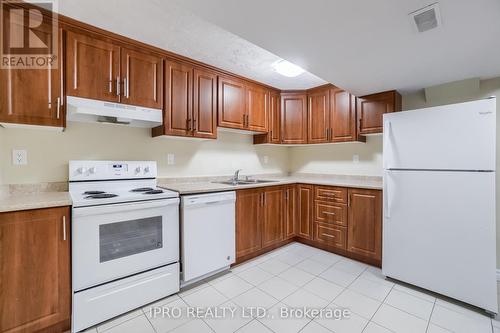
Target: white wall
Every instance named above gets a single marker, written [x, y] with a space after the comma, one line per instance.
[338, 158]
[49, 152]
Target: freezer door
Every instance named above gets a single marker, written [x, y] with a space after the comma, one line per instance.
[439, 233]
[451, 137]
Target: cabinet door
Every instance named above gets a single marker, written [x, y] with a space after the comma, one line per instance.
[305, 196]
[290, 211]
[257, 103]
[274, 118]
[248, 221]
[371, 108]
[93, 68]
[205, 104]
[364, 236]
[35, 275]
[293, 118]
[342, 116]
[32, 96]
[178, 99]
[142, 79]
[318, 111]
[231, 101]
[274, 215]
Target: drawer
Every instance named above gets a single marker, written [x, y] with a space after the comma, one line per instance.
[330, 235]
[331, 214]
[330, 194]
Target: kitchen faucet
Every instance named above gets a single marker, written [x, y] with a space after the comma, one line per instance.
[236, 175]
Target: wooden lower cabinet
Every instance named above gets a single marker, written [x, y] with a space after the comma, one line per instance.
[291, 204]
[35, 270]
[248, 221]
[304, 214]
[364, 235]
[347, 221]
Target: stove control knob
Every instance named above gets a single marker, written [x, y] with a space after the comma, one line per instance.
[146, 169]
[92, 170]
[81, 170]
[138, 170]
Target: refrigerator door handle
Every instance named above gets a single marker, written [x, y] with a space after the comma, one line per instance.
[387, 198]
[387, 143]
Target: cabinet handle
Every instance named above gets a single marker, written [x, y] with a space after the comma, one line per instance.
[329, 213]
[194, 124]
[349, 200]
[118, 86]
[248, 120]
[110, 86]
[64, 228]
[188, 124]
[58, 107]
[327, 235]
[126, 86]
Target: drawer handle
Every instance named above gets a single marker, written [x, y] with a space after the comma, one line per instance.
[329, 213]
[327, 235]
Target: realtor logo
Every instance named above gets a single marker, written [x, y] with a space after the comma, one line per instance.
[29, 35]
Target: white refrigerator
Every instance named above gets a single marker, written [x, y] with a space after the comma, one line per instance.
[439, 228]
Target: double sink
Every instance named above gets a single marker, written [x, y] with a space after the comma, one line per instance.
[236, 182]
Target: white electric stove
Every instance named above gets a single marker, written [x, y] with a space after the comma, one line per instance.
[125, 239]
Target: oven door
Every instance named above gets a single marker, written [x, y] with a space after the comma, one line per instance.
[114, 241]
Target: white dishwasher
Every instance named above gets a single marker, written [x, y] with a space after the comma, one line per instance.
[207, 234]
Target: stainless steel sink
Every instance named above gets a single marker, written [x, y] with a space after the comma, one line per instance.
[244, 182]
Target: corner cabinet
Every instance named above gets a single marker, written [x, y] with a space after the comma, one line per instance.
[371, 108]
[33, 96]
[35, 256]
[293, 118]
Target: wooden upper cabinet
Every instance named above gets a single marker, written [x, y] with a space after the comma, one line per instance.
[273, 229]
[142, 78]
[305, 210]
[342, 116]
[257, 102]
[364, 236]
[290, 211]
[35, 275]
[231, 102]
[318, 111]
[274, 118]
[371, 108]
[93, 68]
[178, 110]
[293, 118]
[248, 221]
[33, 96]
[205, 104]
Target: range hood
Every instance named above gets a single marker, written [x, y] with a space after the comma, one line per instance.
[94, 111]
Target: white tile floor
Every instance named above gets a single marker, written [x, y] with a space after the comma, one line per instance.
[298, 276]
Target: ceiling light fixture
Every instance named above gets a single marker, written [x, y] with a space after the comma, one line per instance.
[287, 69]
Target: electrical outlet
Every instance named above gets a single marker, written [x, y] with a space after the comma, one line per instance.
[19, 157]
[265, 159]
[170, 159]
[355, 158]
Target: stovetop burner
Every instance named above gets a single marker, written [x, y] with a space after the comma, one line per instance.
[101, 196]
[142, 189]
[93, 192]
[154, 192]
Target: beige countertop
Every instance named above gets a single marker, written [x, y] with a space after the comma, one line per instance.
[23, 201]
[206, 186]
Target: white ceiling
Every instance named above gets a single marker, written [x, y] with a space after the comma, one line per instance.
[166, 25]
[367, 46]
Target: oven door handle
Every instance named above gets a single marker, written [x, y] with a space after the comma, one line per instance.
[129, 206]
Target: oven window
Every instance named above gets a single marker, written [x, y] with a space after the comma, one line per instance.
[126, 238]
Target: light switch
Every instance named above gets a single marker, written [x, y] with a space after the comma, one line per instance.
[19, 157]
[355, 158]
[170, 159]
